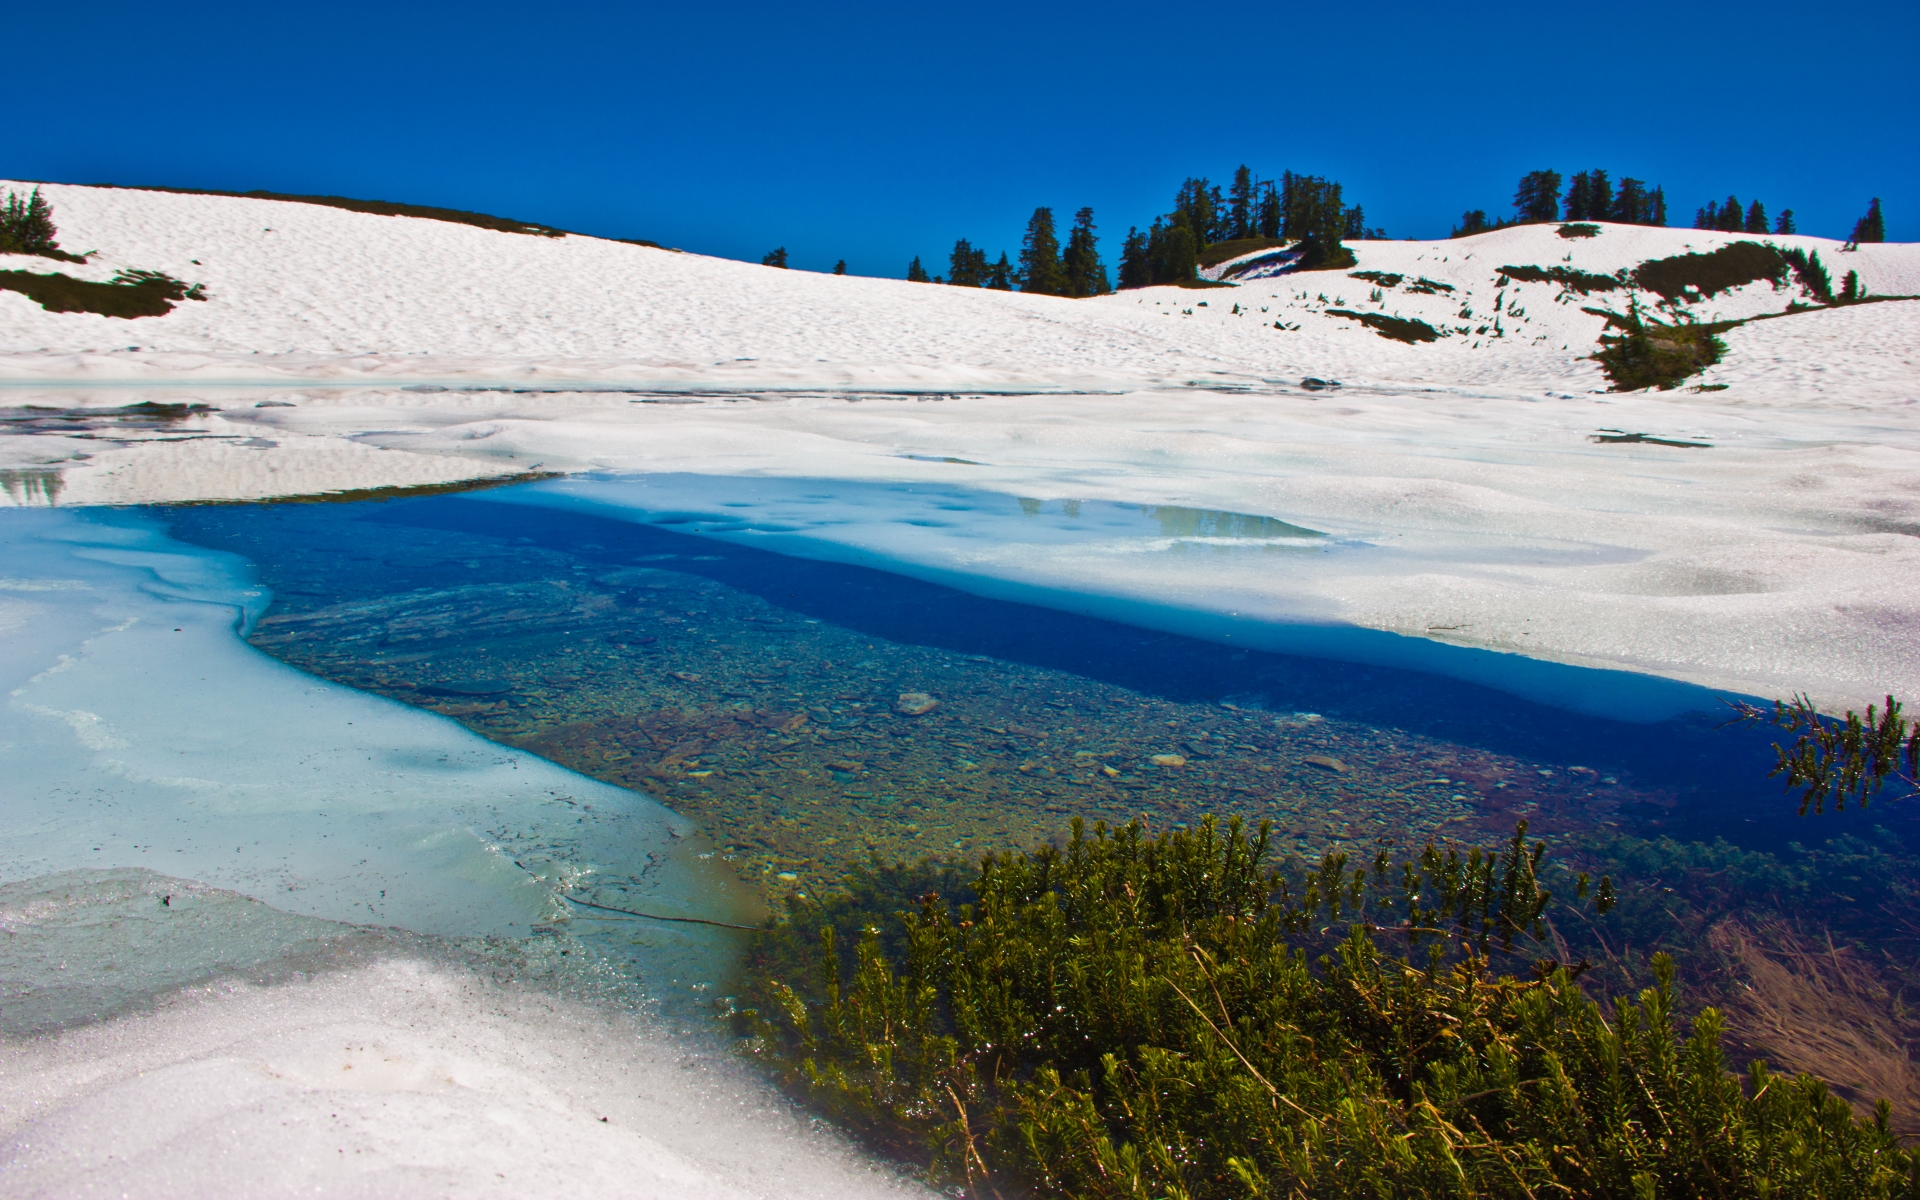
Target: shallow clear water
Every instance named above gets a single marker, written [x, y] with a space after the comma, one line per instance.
[761, 694]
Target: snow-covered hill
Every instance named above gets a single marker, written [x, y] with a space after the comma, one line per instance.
[302, 291]
[1754, 530]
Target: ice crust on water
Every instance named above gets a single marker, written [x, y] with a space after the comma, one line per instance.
[148, 752]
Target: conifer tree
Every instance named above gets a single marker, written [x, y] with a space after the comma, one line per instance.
[1784, 222]
[1577, 197]
[1756, 217]
[1040, 255]
[26, 226]
[1002, 278]
[1538, 196]
[1082, 273]
[1870, 228]
[1241, 203]
[1708, 216]
[917, 273]
[1656, 208]
[1193, 207]
[1172, 251]
[1136, 270]
[775, 258]
[1269, 210]
[840, 268]
[1222, 220]
[1629, 202]
[966, 266]
[1731, 218]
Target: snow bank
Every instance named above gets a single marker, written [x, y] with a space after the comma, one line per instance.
[299, 291]
[402, 1074]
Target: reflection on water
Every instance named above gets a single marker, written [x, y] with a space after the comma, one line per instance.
[807, 714]
[1210, 523]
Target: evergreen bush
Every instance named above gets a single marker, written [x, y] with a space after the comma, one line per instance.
[1137, 1017]
[1870, 228]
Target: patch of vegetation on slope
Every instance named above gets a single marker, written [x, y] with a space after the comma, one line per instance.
[1385, 279]
[1399, 329]
[1579, 229]
[129, 294]
[1649, 354]
[1583, 282]
[26, 227]
[380, 208]
[1731, 266]
[1133, 1016]
[1219, 252]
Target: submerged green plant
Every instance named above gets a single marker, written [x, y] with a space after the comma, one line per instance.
[1137, 1016]
[1837, 760]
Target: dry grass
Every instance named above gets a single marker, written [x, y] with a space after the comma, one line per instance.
[1806, 1005]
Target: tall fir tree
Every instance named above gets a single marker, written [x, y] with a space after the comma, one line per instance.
[840, 268]
[1240, 203]
[1784, 222]
[1656, 207]
[1538, 196]
[1732, 217]
[1081, 271]
[1193, 206]
[966, 266]
[1001, 280]
[1473, 221]
[1136, 270]
[1629, 202]
[775, 258]
[1870, 228]
[1756, 218]
[1172, 251]
[1040, 255]
[1269, 210]
[917, 273]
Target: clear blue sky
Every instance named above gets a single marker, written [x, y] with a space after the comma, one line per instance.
[877, 132]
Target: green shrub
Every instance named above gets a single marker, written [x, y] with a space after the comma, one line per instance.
[1731, 266]
[1579, 229]
[1382, 278]
[26, 227]
[130, 293]
[1812, 274]
[1138, 1017]
[1646, 354]
[1573, 281]
[1399, 329]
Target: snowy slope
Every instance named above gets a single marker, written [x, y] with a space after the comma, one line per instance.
[310, 292]
[1773, 550]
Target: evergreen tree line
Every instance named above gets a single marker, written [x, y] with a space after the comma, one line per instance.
[1305, 209]
[1731, 218]
[1592, 197]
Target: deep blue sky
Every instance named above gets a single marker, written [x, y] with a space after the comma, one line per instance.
[877, 132]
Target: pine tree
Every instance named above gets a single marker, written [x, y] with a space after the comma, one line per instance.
[1599, 195]
[1870, 228]
[1002, 278]
[775, 258]
[1784, 222]
[1354, 226]
[917, 273]
[1656, 207]
[1241, 202]
[1538, 196]
[1040, 255]
[1731, 220]
[966, 266]
[1577, 197]
[1172, 252]
[1629, 202]
[1756, 217]
[1135, 269]
[1269, 210]
[1221, 227]
[840, 268]
[1707, 217]
[1193, 207]
[1080, 268]
[26, 226]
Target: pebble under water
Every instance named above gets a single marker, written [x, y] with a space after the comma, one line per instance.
[808, 715]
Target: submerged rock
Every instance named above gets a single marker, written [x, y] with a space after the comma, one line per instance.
[1168, 760]
[1328, 764]
[914, 704]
